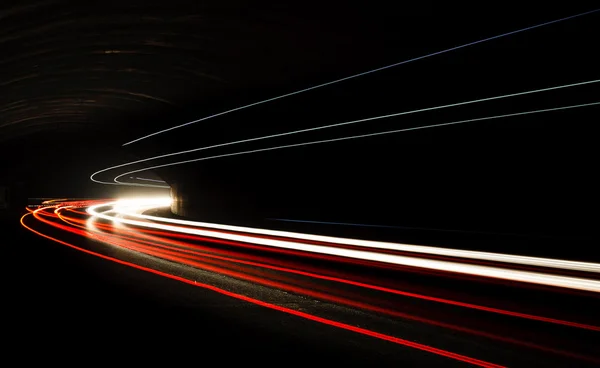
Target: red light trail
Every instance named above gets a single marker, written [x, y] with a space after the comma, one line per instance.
[234, 253]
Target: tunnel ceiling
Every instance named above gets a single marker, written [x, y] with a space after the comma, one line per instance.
[117, 69]
[109, 69]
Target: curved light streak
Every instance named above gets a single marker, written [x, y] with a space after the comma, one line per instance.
[332, 126]
[117, 182]
[308, 316]
[236, 264]
[145, 234]
[135, 210]
[539, 278]
[342, 280]
[152, 180]
[363, 73]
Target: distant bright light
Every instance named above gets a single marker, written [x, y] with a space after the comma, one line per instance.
[159, 201]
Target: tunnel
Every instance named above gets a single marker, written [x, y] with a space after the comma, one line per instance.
[78, 90]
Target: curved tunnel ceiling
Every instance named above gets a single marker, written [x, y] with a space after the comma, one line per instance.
[111, 67]
[105, 73]
[120, 67]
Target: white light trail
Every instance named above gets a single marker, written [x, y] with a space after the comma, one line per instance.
[152, 180]
[135, 202]
[326, 127]
[446, 266]
[363, 73]
[136, 211]
[116, 179]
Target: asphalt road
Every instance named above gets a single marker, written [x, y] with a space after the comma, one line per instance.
[66, 306]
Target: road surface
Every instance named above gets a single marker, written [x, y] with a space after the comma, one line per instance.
[121, 282]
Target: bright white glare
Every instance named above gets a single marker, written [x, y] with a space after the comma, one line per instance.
[137, 202]
[331, 126]
[447, 266]
[363, 73]
[116, 179]
[142, 204]
[159, 201]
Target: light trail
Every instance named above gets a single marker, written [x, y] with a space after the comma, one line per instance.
[365, 73]
[134, 211]
[336, 125]
[369, 135]
[315, 318]
[286, 269]
[54, 200]
[84, 225]
[152, 180]
[577, 283]
[173, 244]
[270, 267]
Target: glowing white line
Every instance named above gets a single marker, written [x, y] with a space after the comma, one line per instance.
[362, 74]
[327, 127]
[447, 266]
[351, 137]
[158, 201]
[152, 180]
[136, 211]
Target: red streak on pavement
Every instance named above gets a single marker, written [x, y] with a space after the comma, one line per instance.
[304, 315]
[383, 289]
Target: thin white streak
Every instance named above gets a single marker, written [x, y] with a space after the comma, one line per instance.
[362, 74]
[332, 126]
[484, 256]
[446, 266]
[356, 137]
[152, 180]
